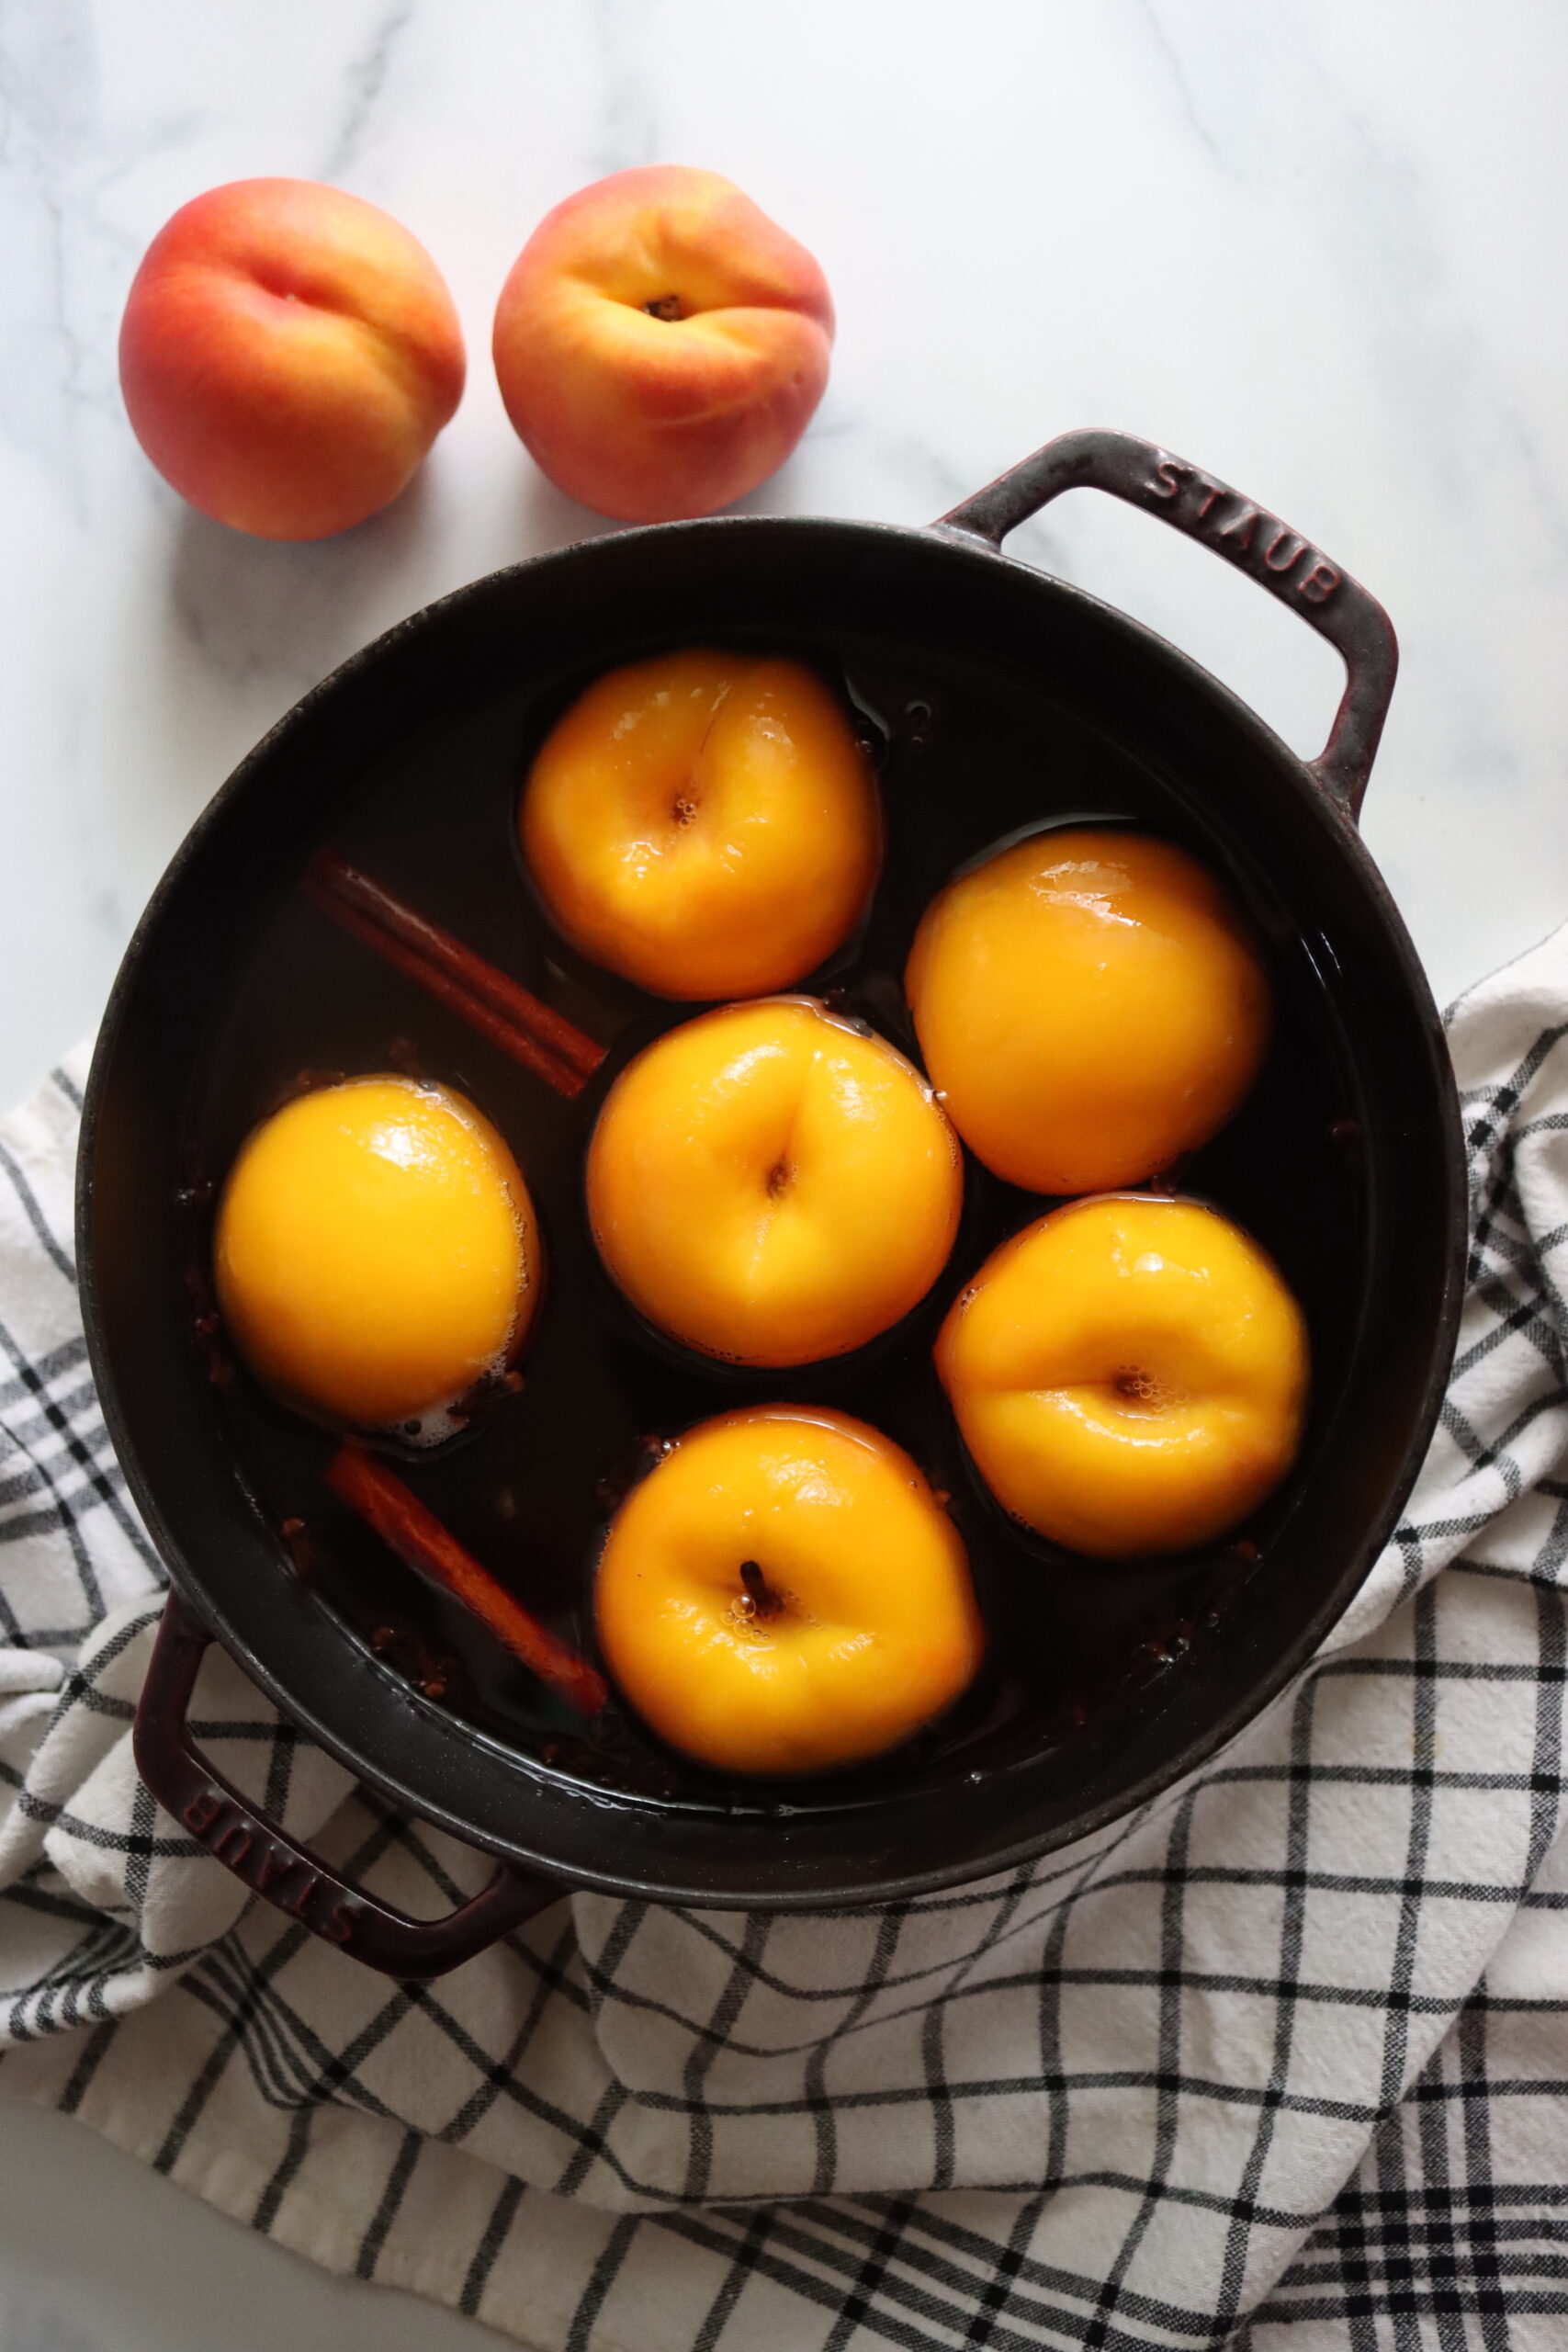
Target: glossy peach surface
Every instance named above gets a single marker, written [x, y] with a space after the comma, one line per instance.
[771, 1185]
[660, 344]
[376, 1251]
[1129, 1374]
[706, 824]
[1091, 1007]
[287, 355]
[867, 1624]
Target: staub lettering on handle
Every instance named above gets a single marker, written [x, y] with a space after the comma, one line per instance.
[1248, 534]
[237, 1842]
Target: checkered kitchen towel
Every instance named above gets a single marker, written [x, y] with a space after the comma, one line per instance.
[1283, 2060]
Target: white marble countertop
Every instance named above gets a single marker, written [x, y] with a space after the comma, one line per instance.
[1319, 252]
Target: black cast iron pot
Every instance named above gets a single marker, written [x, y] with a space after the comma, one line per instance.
[1002, 698]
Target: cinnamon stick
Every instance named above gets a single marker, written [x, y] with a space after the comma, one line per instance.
[530, 1031]
[418, 1537]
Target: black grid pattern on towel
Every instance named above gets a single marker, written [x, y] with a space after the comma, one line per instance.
[1451, 2229]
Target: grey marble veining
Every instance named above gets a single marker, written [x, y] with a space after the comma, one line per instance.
[1317, 251]
[1312, 250]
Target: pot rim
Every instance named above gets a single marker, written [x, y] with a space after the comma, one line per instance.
[450, 1736]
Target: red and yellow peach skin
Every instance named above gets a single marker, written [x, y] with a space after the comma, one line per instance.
[287, 355]
[660, 344]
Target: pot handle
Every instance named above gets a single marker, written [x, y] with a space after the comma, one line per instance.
[262, 1854]
[1247, 535]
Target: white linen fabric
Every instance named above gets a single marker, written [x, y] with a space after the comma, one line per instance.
[1281, 2059]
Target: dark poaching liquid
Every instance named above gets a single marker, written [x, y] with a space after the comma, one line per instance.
[968, 754]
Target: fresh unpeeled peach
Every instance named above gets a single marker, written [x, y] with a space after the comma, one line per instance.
[289, 353]
[660, 344]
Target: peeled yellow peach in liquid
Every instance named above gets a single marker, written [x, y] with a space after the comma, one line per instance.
[377, 1253]
[1129, 1374]
[772, 1185]
[783, 1593]
[706, 824]
[1091, 1006]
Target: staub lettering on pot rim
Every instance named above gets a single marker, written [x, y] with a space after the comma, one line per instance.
[1248, 534]
[235, 1841]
